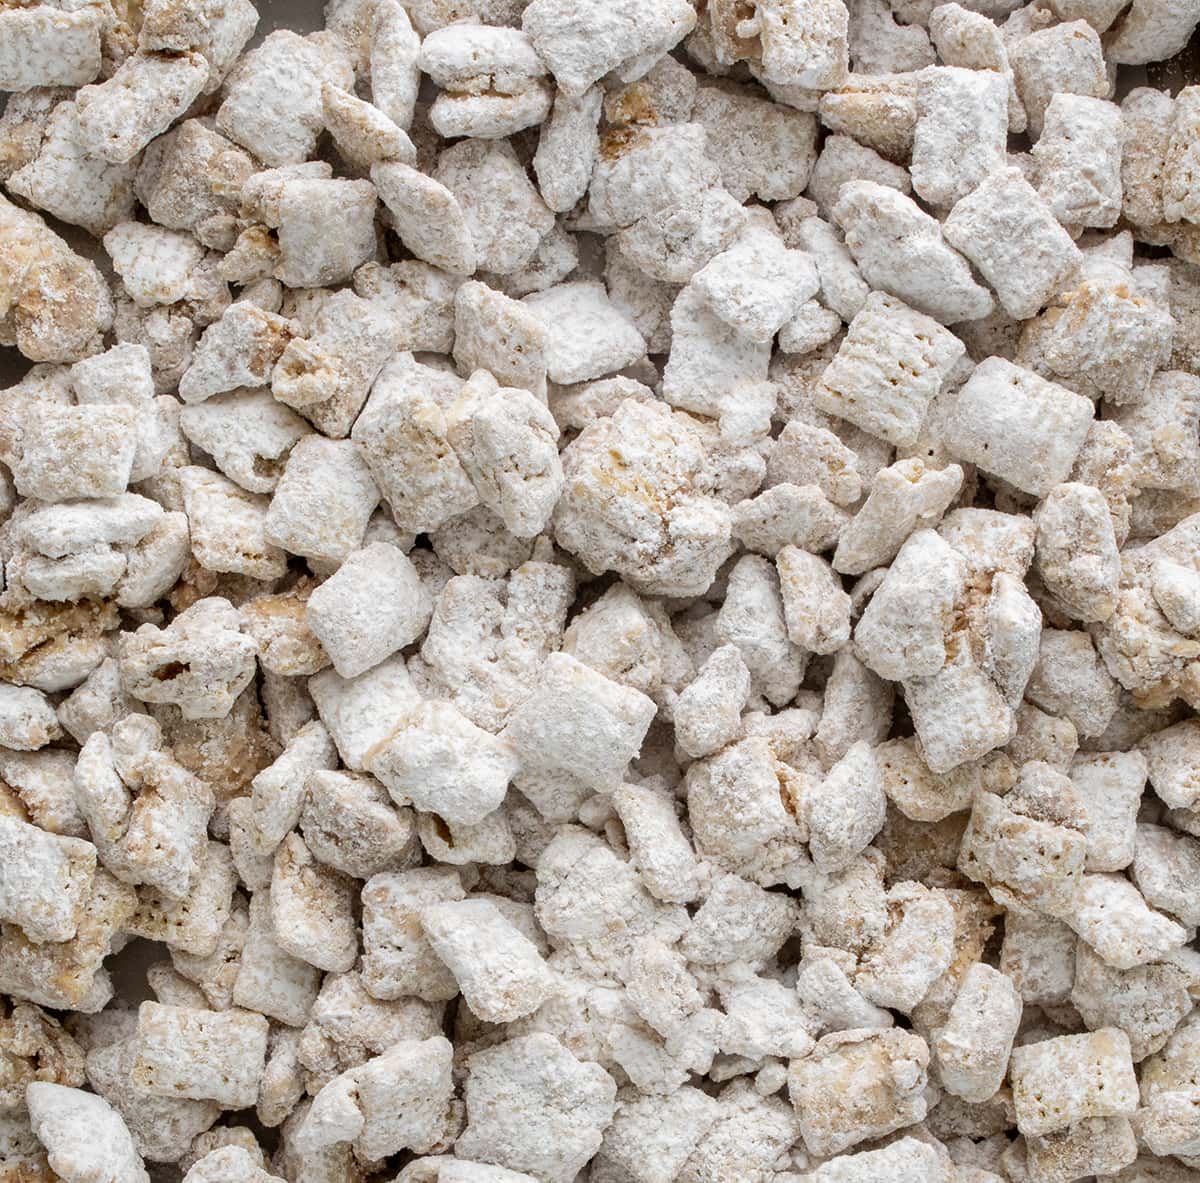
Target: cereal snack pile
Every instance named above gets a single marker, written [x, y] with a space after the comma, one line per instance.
[599, 591]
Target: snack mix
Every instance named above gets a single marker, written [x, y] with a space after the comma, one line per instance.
[599, 591]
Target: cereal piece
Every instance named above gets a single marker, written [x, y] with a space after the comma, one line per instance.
[364, 134]
[531, 1104]
[1070, 1078]
[644, 170]
[677, 547]
[312, 909]
[278, 792]
[1151, 32]
[349, 824]
[84, 1136]
[43, 783]
[501, 335]
[441, 762]
[500, 972]
[715, 370]
[1077, 551]
[228, 1164]
[1165, 868]
[398, 959]
[760, 148]
[845, 811]
[163, 1128]
[959, 714]
[707, 713]
[155, 264]
[1110, 914]
[901, 633]
[323, 500]
[1030, 847]
[744, 805]
[63, 179]
[219, 32]
[190, 179]
[974, 1046]
[122, 376]
[858, 705]
[912, 953]
[504, 214]
[200, 1054]
[788, 515]
[140, 101]
[146, 813]
[815, 607]
[1030, 434]
[1009, 232]
[267, 979]
[586, 337]
[1039, 955]
[900, 250]
[672, 243]
[41, 269]
[228, 526]
[393, 1102]
[807, 455]
[45, 47]
[660, 849]
[961, 133]
[506, 441]
[193, 924]
[394, 49]
[1065, 58]
[403, 434]
[652, 1137]
[1164, 451]
[1166, 1122]
[286, 645]
[1078, 160]
[1110, 784]
[812, 325]
[880, 115]
[27, 720]
[856, 1086]
[427, 216]
[360, 712]
[579, 723]
[916, 791]
[888, 369]
[904, 497]
[64, 453]
[1101, 1145]
[1147, 1002]
[247, 433]
[1070, 679]
[326, 230]
[1171, 756]
[55, 879]
[567, 148]
[1177, 167]
[803, 44]
[273, 97]
[238, 350]
[201, 661]
[581, 47]
[757, 284]
[344, 612]
[490, 78]
[69, 974]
